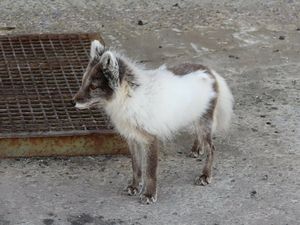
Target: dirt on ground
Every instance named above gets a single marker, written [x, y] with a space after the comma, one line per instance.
[254, 44]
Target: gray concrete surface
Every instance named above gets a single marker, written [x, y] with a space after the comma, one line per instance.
[254, 44]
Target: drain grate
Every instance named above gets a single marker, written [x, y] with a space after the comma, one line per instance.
[39, 74]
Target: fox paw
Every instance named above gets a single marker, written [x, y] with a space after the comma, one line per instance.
[148, 198]
[193, 154]
[196, 153]
[203, 180]
[132, 190]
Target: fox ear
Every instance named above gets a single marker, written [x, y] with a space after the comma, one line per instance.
[110, 68]
[97, 49]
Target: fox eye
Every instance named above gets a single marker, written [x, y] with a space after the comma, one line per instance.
[93, 87]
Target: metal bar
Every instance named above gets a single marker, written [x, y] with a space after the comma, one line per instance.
[93, 144]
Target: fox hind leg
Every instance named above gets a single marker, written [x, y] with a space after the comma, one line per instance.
[198, 147]
[204, 144]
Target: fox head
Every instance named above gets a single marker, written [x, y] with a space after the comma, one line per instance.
[100, 79]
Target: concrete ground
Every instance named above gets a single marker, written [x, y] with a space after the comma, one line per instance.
[254, 44]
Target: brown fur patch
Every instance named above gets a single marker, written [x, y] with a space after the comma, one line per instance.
[151, 169]
[126, 74]
[212, 106]
[186, 68]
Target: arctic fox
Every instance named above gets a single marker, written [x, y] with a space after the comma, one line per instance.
[146, 106]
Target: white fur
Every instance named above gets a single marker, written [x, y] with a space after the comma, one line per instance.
[165, 103]
[223, 112]
[82, 105]
[93, 103]
[96, 47]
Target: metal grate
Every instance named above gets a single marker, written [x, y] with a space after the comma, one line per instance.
[39, 74]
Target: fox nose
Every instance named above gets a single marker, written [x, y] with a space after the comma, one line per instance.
[73, 102]
[78, 97]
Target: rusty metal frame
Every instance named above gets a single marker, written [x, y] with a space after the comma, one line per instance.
[39, 74]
